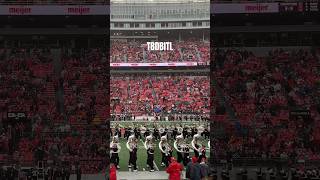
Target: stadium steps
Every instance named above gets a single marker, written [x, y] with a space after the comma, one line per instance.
[180, 52]
[57, 64]
[223, 101]
[154, 94]
[144, 55]
[198, 54]
[232, 123]
[125, 57]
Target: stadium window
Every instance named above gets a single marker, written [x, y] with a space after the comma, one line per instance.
[194, 23]
[137, 25]
[131, 25]
[184, 24]
[163, 24]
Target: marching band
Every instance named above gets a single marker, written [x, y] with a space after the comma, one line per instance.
[178, 134]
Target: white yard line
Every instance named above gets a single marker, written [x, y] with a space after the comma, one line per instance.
[155, 166]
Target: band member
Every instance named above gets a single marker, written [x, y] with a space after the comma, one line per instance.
[168, 155]
[163, 144]
[178, 145]
[156, 134]
[186, 156]
[206, 133]
[114, 150]
[202, 153]
[132, 147]
[143, 131]
[150, 152]
[195, 145]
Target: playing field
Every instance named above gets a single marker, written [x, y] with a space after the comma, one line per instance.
[142, 155]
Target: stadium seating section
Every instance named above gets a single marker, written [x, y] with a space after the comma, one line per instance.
[184, 51]
[262, 91]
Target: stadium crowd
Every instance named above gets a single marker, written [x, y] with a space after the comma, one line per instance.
[136, 52]
[151, 95]
[85, 85]
[30, 85]
[276, 103]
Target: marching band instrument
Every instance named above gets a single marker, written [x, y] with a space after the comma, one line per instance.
[143, 129]
[168, 150]
[178, 144]
[148, 142]
[195, 141]
[180, 130]
[131, 144]
[115, 144]
[200, 129]
[161, 130]
[163, 143]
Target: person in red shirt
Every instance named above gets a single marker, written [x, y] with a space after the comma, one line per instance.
[113, 172]
[174, 170]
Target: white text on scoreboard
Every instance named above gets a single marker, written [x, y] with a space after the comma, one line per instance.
[159, 46]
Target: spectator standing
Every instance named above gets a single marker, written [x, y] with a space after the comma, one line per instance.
[204, 168]
[113, 172]
[174, 170]
[193, 171]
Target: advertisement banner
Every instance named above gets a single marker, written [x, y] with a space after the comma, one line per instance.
[244, 8]
[54, 10]
[153, 64]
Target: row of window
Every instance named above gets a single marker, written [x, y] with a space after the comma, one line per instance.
[154, 16]
[174, 9]
[161, 25]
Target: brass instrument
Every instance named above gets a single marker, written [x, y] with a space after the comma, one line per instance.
[194, 141]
